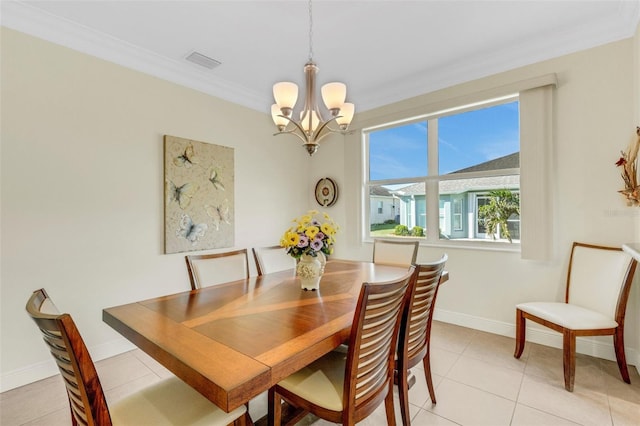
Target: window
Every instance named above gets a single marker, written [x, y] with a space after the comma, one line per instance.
[440, 170]
[380, 207]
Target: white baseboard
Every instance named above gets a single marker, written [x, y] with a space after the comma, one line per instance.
[541, 336]
[48, 368]
[42, 370]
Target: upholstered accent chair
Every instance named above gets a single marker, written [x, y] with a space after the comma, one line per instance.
[598, 284]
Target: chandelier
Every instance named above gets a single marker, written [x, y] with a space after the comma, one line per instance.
[311, 127]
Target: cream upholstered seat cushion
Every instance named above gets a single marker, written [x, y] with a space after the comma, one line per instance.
[568, 316]
[170, 402]
[321, 382]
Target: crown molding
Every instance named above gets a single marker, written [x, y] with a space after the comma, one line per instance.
[34, 21]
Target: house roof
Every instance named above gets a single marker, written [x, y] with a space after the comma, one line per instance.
[511, 161]
[459, 186]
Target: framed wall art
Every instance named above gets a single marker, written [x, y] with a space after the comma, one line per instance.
[199, 195]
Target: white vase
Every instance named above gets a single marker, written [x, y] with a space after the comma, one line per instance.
[309, 271]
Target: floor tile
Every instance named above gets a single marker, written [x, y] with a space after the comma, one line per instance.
[583, 405]
[497, 350]
[503, 382]
[527, 416]
[466, 405]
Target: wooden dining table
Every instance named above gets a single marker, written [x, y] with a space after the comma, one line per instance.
[233, 341]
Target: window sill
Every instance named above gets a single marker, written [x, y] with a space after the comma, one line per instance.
[466, 244]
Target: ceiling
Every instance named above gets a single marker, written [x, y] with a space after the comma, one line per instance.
[385, 51]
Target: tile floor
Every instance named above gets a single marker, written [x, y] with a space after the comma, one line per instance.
[477, 380]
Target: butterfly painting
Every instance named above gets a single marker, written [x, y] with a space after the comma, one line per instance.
[187, 158]
[219, 214]
[199, 195]
[214, 178]
[190, 231]
[181, 194]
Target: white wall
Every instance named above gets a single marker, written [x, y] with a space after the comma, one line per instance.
[82, 189]
[596, 113]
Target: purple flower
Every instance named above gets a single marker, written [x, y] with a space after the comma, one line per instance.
[304, 241]
[316, 244]
[320, 236]
[316, 222]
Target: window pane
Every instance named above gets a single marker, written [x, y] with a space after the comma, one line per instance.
[462, 199]
[398, 152]
[404, 210]
[483, 139]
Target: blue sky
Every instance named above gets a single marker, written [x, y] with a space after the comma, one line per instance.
[465, 140]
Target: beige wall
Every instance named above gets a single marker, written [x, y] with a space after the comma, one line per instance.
[81, 207]
[594, 119]
[82, 189]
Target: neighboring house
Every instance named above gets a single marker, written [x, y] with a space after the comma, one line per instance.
[460, 200]
[384, 205]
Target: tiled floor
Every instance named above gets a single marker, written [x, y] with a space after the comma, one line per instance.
[477, 380]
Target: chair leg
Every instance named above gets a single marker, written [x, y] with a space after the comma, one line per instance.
[388, 406]
[274, 408]
[403, 395]
[520, 333]
[569, 358]
[426, 362]
[618, 344]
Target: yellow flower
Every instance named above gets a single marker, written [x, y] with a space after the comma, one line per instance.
[305, 219]
[311, 232]
[292, 239]
[327, 229]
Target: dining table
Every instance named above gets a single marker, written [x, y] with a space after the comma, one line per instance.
[235, 340]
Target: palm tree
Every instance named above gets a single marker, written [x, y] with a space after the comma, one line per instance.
[502, 205]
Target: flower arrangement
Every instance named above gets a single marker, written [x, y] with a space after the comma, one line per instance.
[310, 235]
[629, 163]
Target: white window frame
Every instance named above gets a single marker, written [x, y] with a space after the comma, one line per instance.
[432, 179]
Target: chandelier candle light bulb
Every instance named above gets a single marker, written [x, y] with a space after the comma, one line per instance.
[312, 126]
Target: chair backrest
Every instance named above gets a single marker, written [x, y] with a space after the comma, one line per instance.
[211, 269]
[599, 279]
[401, 253]
[272, 259]
[86, 397]
[372, 345]
[415, 328]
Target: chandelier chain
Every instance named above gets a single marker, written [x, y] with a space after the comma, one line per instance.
[310, 34]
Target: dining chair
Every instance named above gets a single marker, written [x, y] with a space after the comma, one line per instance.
[598, 284]
[415, 331]
[272, 259]
[392, 252]
[211, 269]
[167, 402]
[346, 389]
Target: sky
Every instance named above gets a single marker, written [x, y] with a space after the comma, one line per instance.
[464, 140]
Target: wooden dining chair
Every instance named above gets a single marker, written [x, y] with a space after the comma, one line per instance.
[598, 284]
[415, 331]
[272, 259]
[346, 389]
[211, 269]
[168, 402]
[392, 252]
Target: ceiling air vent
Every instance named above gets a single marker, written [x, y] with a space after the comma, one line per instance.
[202, 60]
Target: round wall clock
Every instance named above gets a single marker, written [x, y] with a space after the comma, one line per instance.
[326, 192]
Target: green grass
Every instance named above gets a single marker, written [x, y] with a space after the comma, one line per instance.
[382, 229]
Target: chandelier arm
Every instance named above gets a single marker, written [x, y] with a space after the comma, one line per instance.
[303, 134]
[325, 125]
